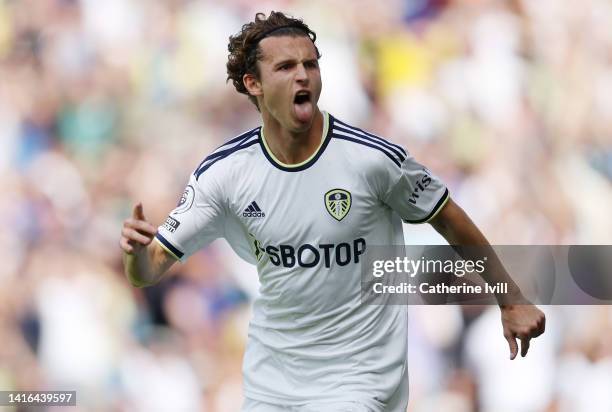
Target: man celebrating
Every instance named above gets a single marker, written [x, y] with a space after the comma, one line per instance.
[302, 197]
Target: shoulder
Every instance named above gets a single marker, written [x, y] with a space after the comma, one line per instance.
[366, 146]
[222, 157]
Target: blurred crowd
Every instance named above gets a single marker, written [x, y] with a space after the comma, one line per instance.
[106, 103]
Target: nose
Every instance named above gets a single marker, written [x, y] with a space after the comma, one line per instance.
[301, 75]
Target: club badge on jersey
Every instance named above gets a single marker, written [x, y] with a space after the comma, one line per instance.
[338, 203]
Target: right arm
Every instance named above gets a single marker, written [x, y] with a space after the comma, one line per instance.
[195, 222]
[144, 261]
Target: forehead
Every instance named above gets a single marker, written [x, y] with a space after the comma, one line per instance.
[278, 48]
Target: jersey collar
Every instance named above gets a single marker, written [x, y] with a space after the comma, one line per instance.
[325, 138]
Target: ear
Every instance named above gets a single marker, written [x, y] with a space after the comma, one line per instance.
[252, 84]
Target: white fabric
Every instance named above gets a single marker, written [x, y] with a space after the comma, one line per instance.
[310, 337]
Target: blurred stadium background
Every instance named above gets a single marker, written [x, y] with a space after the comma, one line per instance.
[105, 103]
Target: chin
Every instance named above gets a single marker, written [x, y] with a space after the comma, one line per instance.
[302, 126]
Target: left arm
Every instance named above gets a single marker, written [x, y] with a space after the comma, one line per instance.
[520, 319]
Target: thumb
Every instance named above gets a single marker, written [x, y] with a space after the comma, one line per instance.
[513, 347]
[138, 213]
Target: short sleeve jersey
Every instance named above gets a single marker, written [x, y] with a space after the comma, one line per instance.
[306, 228]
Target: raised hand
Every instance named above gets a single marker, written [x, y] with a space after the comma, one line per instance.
[136, 233]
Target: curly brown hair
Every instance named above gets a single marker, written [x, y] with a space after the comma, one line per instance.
[244, 50]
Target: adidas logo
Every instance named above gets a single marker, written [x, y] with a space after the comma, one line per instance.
[253, 211]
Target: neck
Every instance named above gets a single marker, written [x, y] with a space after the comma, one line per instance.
[292, 147]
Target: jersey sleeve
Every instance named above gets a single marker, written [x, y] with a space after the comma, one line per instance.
[196, 221]
[412, 191]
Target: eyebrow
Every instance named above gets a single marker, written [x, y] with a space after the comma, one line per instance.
[285, 61]
[293, 61]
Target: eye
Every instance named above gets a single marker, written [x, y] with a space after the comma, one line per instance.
[284, 67]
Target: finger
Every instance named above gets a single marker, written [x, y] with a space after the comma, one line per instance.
[141, 226]
[126, 246]
[538, 328]
[133, 235]
[537, 331]
[138, 212]
[513, 347]
[543, 324]
[524, 346]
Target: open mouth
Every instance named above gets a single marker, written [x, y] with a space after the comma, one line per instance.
[301, 97]
[303, 107]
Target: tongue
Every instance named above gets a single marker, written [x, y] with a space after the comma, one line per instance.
[303, 111]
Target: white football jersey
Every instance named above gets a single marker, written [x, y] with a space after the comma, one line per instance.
[306, 227]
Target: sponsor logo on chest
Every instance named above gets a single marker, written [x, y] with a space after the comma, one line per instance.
[337, 202]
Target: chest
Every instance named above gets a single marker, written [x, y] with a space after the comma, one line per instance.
[313, 205]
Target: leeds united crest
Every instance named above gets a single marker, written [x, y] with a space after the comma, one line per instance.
[338, 203]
